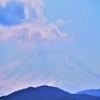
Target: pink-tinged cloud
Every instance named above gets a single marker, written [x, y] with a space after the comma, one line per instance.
[34, 29]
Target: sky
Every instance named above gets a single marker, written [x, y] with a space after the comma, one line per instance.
[84, 27]
[71, 26]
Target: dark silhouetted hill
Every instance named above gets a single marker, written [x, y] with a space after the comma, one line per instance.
[67, 98]
[93, 92]
[39, 93]
[46, 93]
[85, 97]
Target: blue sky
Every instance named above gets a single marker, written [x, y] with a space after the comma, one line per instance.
[11, 14]
[71, 26]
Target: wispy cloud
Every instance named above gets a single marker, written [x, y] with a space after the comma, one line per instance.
[35, 27]
[61, 22]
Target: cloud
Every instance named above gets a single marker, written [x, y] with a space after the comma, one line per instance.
[61, 22]
[4, 2]
[33, 29]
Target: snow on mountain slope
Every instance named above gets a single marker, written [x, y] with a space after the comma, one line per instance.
[48, 68]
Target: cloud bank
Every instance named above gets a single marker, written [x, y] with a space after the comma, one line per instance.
[31, 29]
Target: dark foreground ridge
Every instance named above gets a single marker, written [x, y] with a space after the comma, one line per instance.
[46, 93]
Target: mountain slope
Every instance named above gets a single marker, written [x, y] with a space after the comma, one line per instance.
[48, 68]
[85, 97]
[93, 92]
[39, 93]
[46, 93]
[67, 98]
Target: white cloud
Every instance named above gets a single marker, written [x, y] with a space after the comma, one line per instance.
[34, 28]
[4, 2]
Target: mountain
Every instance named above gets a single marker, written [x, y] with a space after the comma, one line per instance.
[85, 97]
[67, 98]
[39, 93]
[48, 68]
[46, 93]
[93, 92]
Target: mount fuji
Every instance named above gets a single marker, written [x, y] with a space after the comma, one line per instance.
[48, 68]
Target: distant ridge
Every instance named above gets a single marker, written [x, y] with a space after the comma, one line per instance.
[46, 93]
[93, 92]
